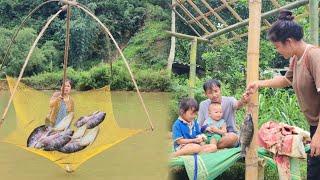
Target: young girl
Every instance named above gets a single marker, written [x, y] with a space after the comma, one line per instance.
[60, 106]
[186, 131]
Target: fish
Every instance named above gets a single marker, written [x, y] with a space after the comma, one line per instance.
[64, 123]
[54, 140]
[96, 120]
[246, 134]
[36, 134]
[90, 136]
[79, 144]
[80, 132]
[91, 120]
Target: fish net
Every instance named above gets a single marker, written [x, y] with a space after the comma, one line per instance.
[32, 106]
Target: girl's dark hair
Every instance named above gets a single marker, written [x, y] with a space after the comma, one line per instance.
[211, 83]
[67, 80]
[186, 104]
[285, 28]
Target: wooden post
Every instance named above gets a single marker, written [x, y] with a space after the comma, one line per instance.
[314, 22]
[173, 40]
[193, 65]
[253, 75]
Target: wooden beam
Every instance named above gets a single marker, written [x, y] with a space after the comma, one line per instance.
[217, 15]
[234, 13]
[293, 5]
[314, 22]
[184, 20]
[201, 14]
[217, 9]
[253, 75]
[184, 36]
[173, 41]
[193, 65]
[185, 10]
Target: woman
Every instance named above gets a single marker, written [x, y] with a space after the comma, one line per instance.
[60, 106]
[303, 75]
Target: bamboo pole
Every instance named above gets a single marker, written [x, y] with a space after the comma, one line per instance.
[173, 41]
[26, 62]
[184, 20]
[233, 12]
[66, 49]
[314, 22]
[253, 75]
[185, 36]
[19, 28]
[189, 14]
[201, 14]
[293, 5]
[193, 66]
[82, 7]
[217, 9]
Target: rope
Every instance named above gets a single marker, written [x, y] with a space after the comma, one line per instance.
[195, 175]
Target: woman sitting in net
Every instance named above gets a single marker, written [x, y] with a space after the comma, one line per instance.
[60, 104]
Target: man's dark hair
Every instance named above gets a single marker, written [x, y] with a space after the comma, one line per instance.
[186, 104]
[285, 28]
[67, 80]
[211, 83]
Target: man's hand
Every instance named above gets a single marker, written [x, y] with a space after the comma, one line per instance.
[315, 144]
[252, 87]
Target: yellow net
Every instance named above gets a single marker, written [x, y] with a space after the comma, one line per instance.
[32, 106]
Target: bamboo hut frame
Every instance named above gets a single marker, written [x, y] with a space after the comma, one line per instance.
[66, 6]
[253, 169]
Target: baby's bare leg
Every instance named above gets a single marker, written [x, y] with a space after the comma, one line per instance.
[187, 149]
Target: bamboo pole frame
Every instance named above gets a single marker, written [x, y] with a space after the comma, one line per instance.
[201, 14]
[184, 36]
[193, 66]
[173, 41]
[26, 62]
[293, 5]
[218, 9]
[253, 75]
[184, 20]
[66, 49]
[314, 22]
[189, 14]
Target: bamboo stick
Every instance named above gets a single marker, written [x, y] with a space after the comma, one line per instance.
[26, 62]
[184, 20]
[201, 14]
[82, 7]
[253, 75]
[218, 9]
[293, 5]
[19, 28]
[234, 13]
[66, 49]
[173, 41]
[189, 14]
[184, 36]
[275, 3]
[193, 64]
[314, 22]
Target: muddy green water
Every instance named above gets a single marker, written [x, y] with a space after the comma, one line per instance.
[140, 157]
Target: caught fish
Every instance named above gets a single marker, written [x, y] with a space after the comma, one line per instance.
[72, 146]
[37, 134]
[78, 144]
[96, 120]
[91, 121]
[80, 132]
[90, 136]
[64, 123]
[246, 134]
[54, 140]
